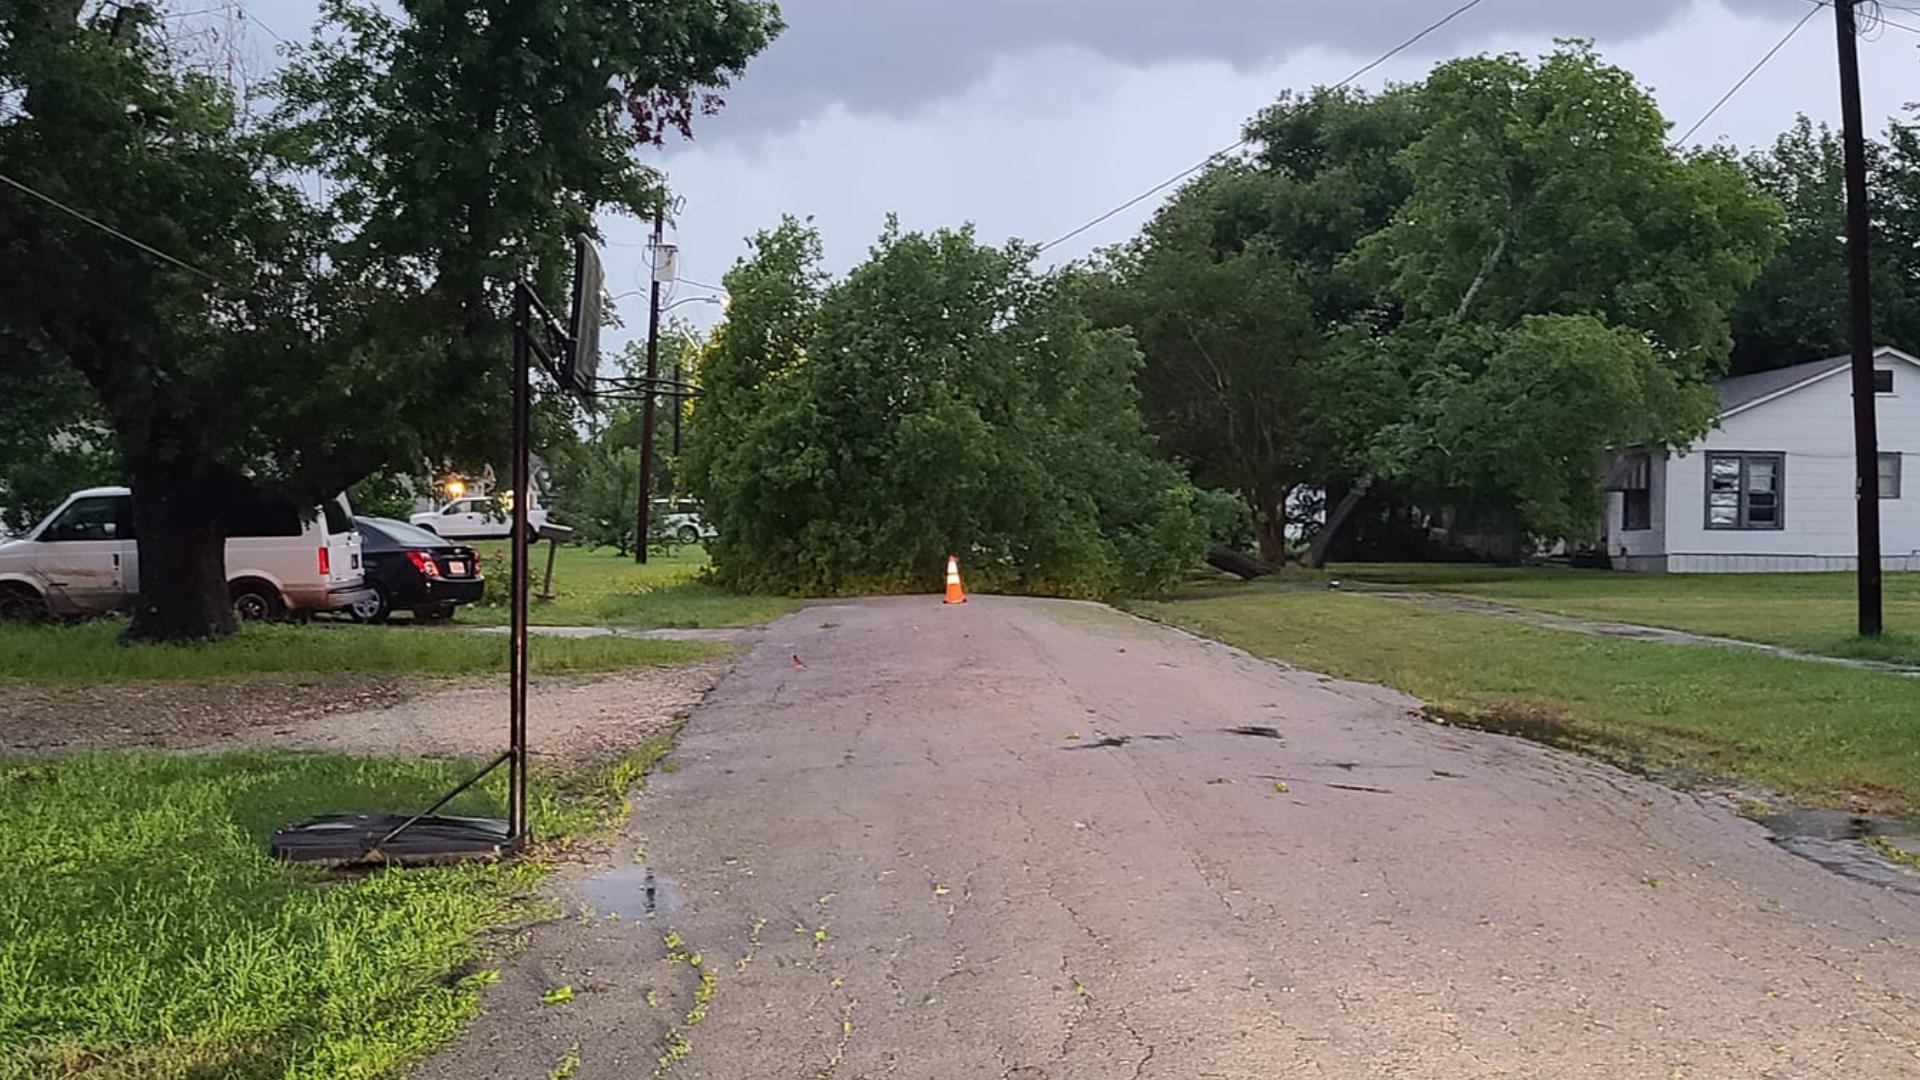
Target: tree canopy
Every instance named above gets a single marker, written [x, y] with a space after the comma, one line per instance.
[309, 344]
[942, 398]
[1797, 309]
[1458, 293]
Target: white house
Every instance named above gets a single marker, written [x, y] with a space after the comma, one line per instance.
[1770, 488]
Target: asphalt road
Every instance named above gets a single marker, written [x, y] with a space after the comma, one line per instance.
[1039, 841]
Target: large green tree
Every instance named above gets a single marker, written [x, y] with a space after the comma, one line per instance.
[1456, 294]
[1233, 287]
[1797, 309]
[1563, 281]
[941, 399]
[311, 345]
[198, 365]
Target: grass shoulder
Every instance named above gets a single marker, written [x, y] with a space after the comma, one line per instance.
[1811, 612]
[151, 936]
[92, 652]
[1820, 732]
[601, 587]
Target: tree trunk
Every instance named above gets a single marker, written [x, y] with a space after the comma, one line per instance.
[182, 553]
[1316, 556]
[1270, 525]
[1244, 567]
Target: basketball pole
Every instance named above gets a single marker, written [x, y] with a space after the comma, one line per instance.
[570, 355]
[522, 494]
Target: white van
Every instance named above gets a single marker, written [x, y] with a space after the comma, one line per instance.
[82, 559]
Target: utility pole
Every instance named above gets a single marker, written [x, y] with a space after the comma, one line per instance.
[1866, 438]
[645, 500]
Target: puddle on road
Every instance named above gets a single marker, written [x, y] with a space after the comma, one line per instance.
[1835, 840]
[1257, 731]
[632, 892]
[1106, 741]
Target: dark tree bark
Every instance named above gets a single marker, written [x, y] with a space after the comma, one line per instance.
[182, 550]
[1316, 556]
[1244, 567]
[1270, 523]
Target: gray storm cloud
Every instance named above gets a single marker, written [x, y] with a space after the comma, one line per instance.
[892, 57]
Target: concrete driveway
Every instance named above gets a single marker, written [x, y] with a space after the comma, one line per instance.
[1034, 840]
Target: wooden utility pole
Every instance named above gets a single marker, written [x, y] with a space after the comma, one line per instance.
[644, 510]
[1866, 439]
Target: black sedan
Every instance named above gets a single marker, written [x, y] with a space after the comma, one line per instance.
[409, 567]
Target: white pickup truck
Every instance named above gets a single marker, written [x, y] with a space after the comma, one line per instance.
[476, 517]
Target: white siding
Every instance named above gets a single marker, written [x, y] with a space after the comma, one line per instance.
[1813, 427]
[1640, 549]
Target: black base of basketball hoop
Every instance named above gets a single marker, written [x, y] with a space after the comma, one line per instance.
[356, 840]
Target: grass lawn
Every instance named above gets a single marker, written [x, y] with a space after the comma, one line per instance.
[91, 652]
[600, 587]
[146, 934]
[1808, 612]
[1817, 731]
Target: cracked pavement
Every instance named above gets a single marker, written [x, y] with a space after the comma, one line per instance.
[956, 881]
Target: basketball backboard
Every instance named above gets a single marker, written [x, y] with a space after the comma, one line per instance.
[583, 327]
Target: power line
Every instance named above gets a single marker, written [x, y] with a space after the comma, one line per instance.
[1744, 79]
[1878, 18]
[248, 16]
[1224, 151]
[110, 230]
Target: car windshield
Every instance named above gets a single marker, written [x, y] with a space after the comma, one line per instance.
[389, 533]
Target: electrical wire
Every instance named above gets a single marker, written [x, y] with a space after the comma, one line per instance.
[249, 16]
[1744, 79]
[1873, 19]
[1224, 151]
[110, 230]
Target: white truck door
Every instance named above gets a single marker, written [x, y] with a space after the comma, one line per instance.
[80, 555]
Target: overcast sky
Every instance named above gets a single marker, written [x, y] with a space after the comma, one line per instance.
[1027, 117]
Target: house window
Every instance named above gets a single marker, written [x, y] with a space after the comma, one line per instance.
[1632, 476]
[1636, 510]
[1744, 490]
[1890, 476]
[1882, 381]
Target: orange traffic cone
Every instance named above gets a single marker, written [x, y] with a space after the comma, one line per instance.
[955, 594]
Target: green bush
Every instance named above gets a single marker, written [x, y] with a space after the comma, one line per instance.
[941, 399]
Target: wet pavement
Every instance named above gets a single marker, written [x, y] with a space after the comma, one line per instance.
[1019, 839]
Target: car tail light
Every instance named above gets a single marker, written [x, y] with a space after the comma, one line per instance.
[326, 562]
[423, 562]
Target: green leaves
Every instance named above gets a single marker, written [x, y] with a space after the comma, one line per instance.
[941, 399]
[1463, 290]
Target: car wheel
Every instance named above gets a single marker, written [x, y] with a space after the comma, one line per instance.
[688, 534]
[21, 605]
[256, 602]
[373, 609]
